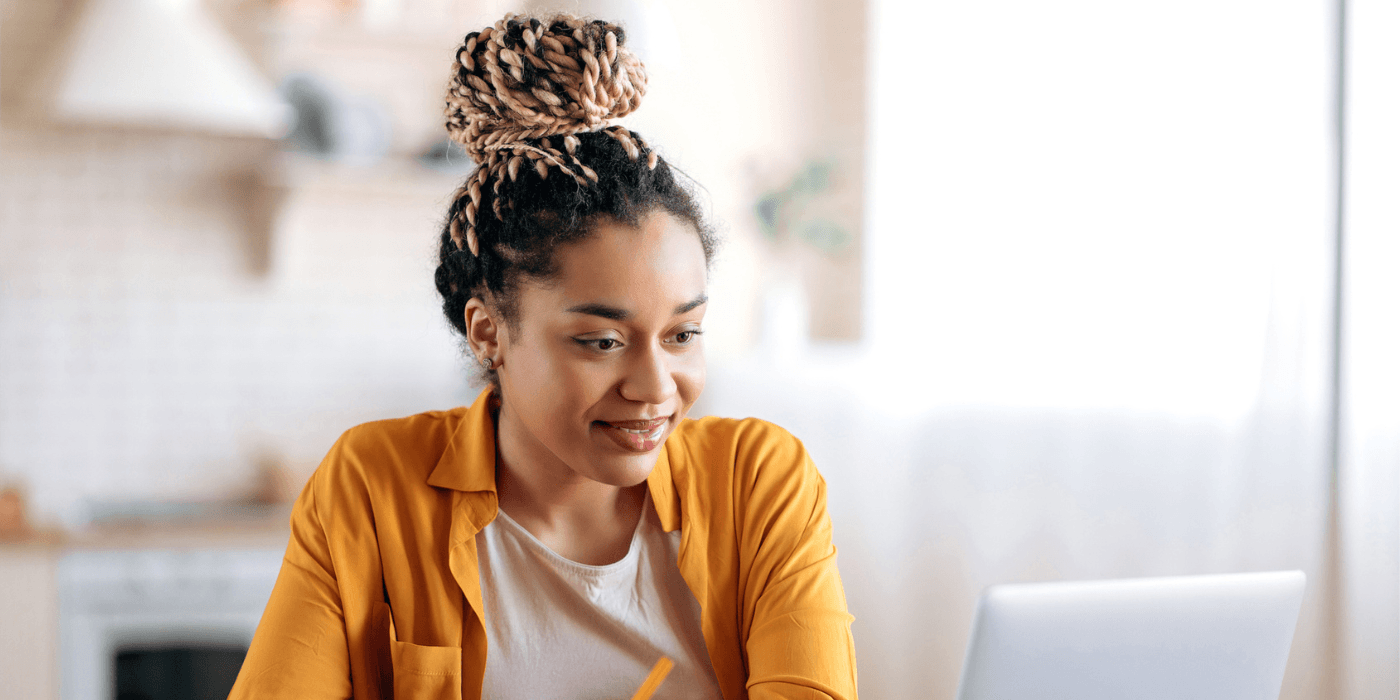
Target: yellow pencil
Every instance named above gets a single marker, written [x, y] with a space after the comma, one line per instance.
[658, 674]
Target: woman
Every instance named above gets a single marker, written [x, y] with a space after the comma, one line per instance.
[571, 527]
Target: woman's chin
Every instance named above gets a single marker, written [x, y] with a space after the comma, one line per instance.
[622, 470]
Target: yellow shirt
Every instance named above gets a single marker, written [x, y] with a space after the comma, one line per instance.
[389, 522]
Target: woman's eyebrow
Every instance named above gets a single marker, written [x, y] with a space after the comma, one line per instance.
[692, 303]
[611, 313]
[614, 313]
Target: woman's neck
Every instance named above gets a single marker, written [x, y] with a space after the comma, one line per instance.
[583, 520]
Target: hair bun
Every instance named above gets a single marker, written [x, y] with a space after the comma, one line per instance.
[527, 78]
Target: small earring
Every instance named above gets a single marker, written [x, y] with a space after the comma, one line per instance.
[485, 363]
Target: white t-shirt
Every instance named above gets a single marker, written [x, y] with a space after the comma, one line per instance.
[559, 629]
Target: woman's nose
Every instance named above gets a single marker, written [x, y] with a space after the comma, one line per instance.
[648, 378]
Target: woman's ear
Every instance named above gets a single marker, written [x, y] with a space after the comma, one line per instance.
[483, 332]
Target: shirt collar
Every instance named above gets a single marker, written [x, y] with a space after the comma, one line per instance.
[469, 462]
[662, 484]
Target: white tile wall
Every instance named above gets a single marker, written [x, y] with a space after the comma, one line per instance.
[143, 354]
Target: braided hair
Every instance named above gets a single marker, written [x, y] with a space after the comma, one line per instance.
[530, 100]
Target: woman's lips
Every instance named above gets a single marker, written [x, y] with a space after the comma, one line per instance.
[635, 435]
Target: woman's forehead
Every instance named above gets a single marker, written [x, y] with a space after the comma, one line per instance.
[658, 263]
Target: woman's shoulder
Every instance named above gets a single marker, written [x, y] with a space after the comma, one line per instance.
[391, 450]
[745, 451]
[716, 432]
[428, 430]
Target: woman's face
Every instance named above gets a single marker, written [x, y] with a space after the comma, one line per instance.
[605, 359]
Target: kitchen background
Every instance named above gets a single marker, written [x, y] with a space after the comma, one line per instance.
[1048, 291]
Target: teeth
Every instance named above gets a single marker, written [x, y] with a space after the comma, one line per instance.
[644, 431]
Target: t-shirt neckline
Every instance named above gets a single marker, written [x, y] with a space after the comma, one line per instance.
[627, 562]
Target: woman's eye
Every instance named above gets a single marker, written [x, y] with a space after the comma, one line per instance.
[687, 337]
[601, 344]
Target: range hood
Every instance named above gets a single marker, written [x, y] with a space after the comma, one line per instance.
[164, 64]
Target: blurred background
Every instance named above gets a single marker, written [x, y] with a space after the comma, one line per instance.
[1068, 290]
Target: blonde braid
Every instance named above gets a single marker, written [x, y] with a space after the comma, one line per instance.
[519, 83]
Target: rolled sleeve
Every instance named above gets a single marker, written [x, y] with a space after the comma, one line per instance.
[799, 642]
[300, 648]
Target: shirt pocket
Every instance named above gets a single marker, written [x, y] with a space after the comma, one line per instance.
[413, 671]
[426, 673]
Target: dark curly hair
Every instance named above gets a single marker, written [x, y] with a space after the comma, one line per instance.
[530, 102]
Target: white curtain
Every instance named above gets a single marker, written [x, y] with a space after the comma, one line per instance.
[1100, 259]
[1370, 473]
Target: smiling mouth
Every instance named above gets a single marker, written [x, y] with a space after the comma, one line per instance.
[635, 435]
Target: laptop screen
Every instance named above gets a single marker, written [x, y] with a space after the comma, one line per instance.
[1213, 637]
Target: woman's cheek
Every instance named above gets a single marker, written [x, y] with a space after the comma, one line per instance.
[590, 378]
[691, 377]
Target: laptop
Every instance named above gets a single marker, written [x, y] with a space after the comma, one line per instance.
[1220, 637]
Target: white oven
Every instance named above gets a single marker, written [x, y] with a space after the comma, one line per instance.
[158, 617]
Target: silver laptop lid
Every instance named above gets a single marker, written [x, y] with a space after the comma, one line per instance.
[1198, 637]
